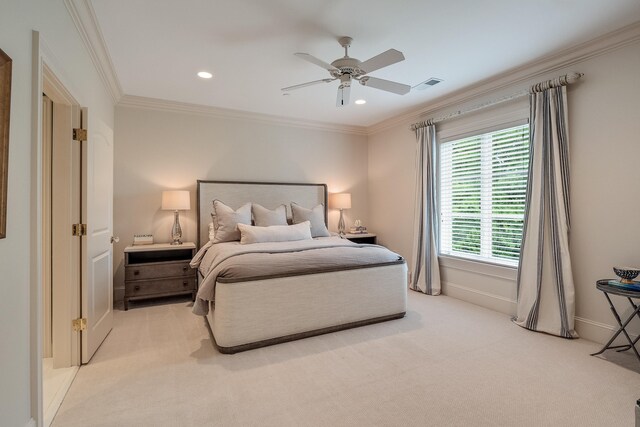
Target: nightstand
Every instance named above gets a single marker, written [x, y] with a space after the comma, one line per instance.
[158, 270]
[361, 238]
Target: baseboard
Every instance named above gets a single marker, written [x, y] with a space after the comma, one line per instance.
[118, 295]
[30, 423]
[588, 329]
[598, 332]
[477, 297]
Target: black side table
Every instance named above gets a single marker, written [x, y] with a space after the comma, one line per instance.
[361, 238]
[630, 294]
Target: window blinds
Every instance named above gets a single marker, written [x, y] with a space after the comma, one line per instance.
[483, 181]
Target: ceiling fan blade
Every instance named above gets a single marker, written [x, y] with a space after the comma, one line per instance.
[343, 96]
[386, 85]
[380, 61]
[300, 86]
[316, 61]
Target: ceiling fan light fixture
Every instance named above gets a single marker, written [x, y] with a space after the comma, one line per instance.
[344, 90]
[205, 74]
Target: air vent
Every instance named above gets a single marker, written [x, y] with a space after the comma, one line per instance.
[427, 83]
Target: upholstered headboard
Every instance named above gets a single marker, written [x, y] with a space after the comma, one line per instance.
[268, 194]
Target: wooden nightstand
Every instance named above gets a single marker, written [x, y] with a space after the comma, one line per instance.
[361, 238]
[158, 270]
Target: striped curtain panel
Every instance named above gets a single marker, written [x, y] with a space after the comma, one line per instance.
[545, 281]
[425, 276]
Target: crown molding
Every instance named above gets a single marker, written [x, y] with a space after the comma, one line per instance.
[132, 101]
[84, 18]
[549, 63]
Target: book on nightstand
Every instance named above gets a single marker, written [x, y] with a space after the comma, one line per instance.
[142, 239]
[358, 230]
[634, 286]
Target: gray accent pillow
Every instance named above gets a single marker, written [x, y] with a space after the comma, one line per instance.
[264, 217]
[315, 216]
[226, 220]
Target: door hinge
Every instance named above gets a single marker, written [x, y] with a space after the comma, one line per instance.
[79, 325]
[79, 134]
[79, 230]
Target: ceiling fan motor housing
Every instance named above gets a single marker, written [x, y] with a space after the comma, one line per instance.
[347, 65]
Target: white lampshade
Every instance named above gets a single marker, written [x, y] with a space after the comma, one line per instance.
[176, 200]
[340, 201]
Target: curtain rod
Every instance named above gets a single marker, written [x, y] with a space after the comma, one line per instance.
[538, 87]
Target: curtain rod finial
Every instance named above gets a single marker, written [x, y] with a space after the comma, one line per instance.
[573, 77]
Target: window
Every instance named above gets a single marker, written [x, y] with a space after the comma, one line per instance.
[483, 180]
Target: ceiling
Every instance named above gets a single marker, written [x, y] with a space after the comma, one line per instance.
[157, 47]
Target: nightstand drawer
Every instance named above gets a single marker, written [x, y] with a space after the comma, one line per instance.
[159, 286]
[156, 270]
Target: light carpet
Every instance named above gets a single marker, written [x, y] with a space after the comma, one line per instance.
[447, 363]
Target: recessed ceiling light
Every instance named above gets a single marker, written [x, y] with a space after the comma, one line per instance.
[204, 75]
[361, 101]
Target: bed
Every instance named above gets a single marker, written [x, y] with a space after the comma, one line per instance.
[259, 294]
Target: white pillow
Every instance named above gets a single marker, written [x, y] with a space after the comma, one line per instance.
[263, 217]
[315, 216]
[274, 233]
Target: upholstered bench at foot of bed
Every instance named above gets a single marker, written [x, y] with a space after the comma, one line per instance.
[258, 313]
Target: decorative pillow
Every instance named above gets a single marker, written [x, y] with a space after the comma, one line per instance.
[315, 216]
[212, 232]
[226, 220]
[274, 233]
[263, 217]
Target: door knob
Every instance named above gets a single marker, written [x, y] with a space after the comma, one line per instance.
[114, 239]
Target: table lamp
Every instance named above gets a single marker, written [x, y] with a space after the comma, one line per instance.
[176, 200]
[341, 201]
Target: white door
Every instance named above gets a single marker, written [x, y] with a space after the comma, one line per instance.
[97, 269]
[65, 248]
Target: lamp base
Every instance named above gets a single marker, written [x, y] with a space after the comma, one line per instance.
[176, 231]
[341, 224]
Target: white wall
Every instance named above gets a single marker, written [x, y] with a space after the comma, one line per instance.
[604, 131]
[155, 150]
[158, 150]
[17, 20]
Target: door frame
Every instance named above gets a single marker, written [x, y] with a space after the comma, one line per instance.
[46, 69]
[66, 210]
[47, 148]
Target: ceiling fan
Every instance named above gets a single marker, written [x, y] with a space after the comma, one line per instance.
[347, 69]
